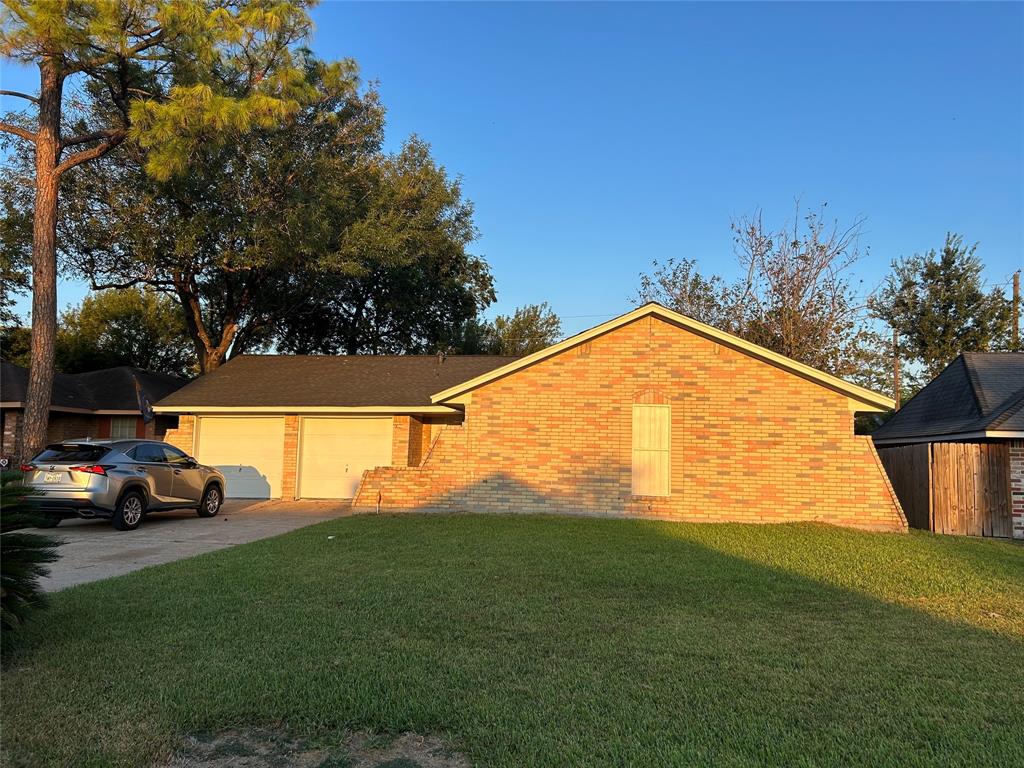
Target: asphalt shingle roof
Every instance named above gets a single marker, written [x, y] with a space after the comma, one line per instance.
[977, 392]
[110, 389]
[299, 381]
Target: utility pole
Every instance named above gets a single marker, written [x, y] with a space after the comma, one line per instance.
[1016, 311]
[896, 367]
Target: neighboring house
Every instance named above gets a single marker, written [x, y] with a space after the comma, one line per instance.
[95, 404]
[955, 451]
[651, 414]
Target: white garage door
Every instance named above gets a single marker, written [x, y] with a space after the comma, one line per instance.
[248, 450]
[333, 454]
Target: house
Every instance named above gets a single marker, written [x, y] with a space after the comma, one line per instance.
[955, 451]
[650, 414]
[308, 426]
[101, 403]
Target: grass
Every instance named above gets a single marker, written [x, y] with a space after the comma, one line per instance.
[545, 642]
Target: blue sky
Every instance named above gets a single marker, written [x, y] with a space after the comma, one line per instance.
[594, 138]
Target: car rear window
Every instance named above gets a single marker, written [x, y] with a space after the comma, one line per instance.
[58, 454]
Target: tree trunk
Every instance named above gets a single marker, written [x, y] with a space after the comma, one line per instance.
[211, 354]
[44, 261]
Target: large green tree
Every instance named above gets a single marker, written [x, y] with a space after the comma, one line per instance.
[306, 235]
[172, 75]
[939, 305]
[140, 328]
[528, 329]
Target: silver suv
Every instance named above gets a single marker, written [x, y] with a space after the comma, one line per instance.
[119, 479]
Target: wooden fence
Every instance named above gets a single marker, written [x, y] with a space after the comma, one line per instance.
[956, 488]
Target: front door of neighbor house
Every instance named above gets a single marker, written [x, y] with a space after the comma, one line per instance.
[334, 453]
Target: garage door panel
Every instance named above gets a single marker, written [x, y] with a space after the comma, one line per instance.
[334, 453]
[249, 451]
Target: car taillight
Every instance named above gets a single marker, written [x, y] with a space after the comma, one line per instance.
[92, 469]
[28, 467]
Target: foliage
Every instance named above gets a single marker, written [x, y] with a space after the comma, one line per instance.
[172, 76]
[23, 559]
[408, 283]
[15, 344]
[545, 641]
[306, 235]
[795, 297]
[135, 327]
[528, 329]
[938, 304]
[15, 241]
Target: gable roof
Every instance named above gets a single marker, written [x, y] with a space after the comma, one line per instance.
[328, 382]
[865, 398]
[109, 389]
[978, 394]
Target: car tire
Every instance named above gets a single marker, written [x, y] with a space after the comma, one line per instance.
[129, 511]
[209, 506]
[48, 521]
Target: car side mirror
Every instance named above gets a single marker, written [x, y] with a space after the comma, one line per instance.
[191, 463]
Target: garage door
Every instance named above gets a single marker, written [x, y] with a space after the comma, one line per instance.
[249, 451]
[334, 453]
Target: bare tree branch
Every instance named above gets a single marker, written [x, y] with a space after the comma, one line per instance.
[27, 135]
[91, 154]
[87, 137]
[20, 95]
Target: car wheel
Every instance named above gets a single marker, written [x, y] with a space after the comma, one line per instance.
[210, 505]
[129, 510]
[48, 521]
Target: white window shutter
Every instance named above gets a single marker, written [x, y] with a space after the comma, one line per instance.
[652, 437]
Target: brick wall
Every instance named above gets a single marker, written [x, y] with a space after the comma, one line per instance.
[749, 442]
[1017, 487]
[65, 426]
[11, 431]
[291, 457]
[183, 435]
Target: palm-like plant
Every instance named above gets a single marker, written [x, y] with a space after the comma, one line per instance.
[23, 558]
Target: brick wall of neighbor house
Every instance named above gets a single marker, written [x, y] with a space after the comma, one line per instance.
[11, 429]
[749, 442]
[65, 426]
[1017, 487]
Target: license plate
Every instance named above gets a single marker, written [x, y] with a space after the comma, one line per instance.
[53, 477]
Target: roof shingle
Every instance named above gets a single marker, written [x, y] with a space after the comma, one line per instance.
[109, 389]
[977, 392]
[303, 381]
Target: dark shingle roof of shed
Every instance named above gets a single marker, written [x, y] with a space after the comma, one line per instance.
[303, 381]
[977, 392]
[109, 389]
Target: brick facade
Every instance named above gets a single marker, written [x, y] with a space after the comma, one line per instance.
[68, 426]
[182, 435]
[1017, 487]
[749, 442]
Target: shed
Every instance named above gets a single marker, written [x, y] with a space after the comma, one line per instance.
[955, 452]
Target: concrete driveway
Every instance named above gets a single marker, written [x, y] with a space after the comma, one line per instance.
[93, 550]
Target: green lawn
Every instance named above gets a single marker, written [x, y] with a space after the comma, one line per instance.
[537, 641]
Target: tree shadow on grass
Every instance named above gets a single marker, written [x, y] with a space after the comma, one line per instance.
[526, 640]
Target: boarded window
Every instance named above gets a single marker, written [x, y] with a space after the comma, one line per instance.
[122, 427]
[652, 427]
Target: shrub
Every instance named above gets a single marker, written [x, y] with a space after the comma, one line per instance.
[23, 558]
